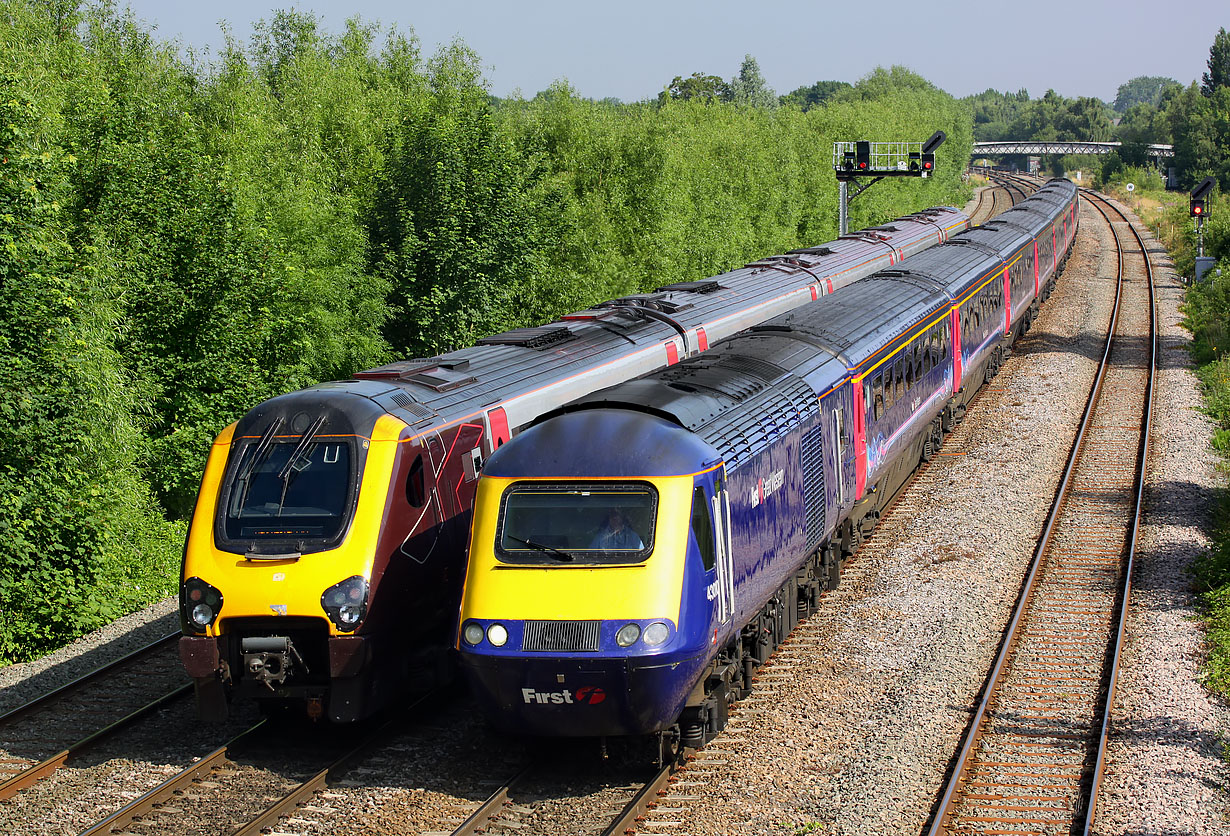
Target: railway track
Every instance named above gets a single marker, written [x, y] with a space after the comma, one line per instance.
[46, 733]
[1004, 194]
[530, 801]
[1032, 757]
[267, 775]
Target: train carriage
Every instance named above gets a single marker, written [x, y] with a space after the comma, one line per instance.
[323, 561]
[756, 468]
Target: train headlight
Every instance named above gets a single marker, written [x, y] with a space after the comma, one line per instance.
[472, 633]
[346, 603]
[656, 634]
[497, 634]
[199, 604]
[627, 635]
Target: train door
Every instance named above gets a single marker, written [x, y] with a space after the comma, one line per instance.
[838, 427]
[725, 560]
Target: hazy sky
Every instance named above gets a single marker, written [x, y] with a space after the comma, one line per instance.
[632, 49]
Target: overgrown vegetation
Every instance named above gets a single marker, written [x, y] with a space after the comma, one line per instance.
[179, 241]
[1207, 315]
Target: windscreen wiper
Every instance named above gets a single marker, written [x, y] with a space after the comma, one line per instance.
[287, 469]
[558, 554]
[262, 449]
[301, 446]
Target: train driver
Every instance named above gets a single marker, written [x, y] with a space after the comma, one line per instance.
[615, 534]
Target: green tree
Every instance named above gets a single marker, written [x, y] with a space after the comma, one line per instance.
[749, 87]
[452, 226]
[706, 88]
[1145, 89]
[80, 540]
[807, 97]
[1141, 126]
[1218, 75]
[1198, 148]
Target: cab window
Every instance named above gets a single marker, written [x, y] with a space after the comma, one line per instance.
[576, 523]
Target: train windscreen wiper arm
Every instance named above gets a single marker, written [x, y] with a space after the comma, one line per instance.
[558, 554]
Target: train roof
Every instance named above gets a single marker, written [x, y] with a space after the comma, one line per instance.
[517, 363]
[641, 445]
[741, 394]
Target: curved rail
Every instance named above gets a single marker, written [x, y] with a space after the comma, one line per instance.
[1121, 623]
[1042, 730]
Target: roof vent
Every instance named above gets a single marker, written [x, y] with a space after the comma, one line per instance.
[536, 338]
[705, 286]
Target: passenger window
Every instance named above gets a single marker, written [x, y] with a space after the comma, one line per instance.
[908, 362]
[702, 528]
[898, 380]
[888, 388]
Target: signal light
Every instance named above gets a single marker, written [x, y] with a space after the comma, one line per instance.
[848, 161]
[1197, 207]
[928, 162]
[862, 155]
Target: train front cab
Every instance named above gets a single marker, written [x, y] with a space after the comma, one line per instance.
[560, 635]
[312, 566]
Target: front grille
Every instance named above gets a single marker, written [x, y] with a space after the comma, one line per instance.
[561, 635]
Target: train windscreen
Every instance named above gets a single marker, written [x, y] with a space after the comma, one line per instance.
[599, 523]
[289, 491]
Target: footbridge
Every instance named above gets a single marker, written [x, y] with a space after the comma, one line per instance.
[996, 149]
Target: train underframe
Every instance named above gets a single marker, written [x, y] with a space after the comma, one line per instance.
[297, 669]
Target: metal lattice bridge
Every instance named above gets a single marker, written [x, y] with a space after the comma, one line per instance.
[995, 149]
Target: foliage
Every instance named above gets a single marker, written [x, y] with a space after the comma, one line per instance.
[706, 88]
[1141, 126]
[749, 87]
[994, 113]
[1142, 90]
[1218, 75]
[1115, 174]
[805, 98]
[453, 224]
[1206, 309]
[1201, 128]
[79, 533]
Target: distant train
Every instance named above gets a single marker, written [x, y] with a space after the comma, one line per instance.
[326, 552]
[638, 552]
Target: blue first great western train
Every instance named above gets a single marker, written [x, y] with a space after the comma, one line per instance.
[636, 553]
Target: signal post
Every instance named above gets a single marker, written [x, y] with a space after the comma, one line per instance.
[878, 160]
[1198, 208]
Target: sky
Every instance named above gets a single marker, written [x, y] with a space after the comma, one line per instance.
[632, 49]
